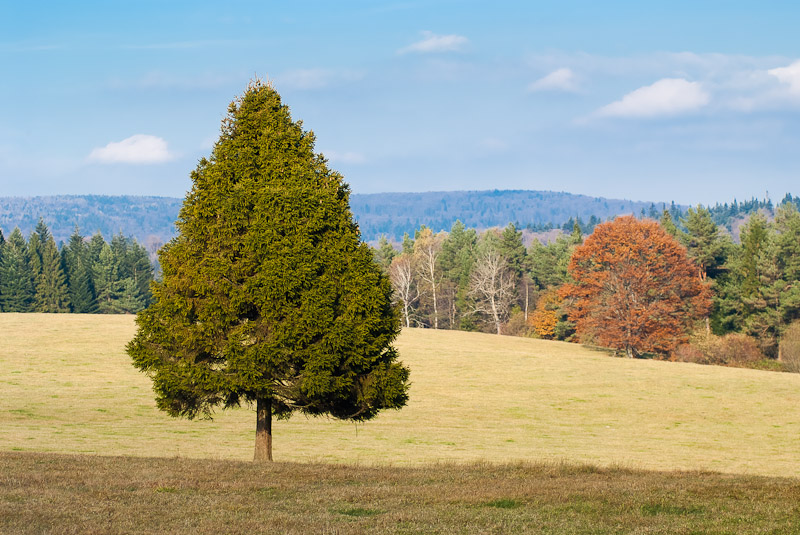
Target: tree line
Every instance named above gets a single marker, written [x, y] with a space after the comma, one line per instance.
[84, 276]
[490, 281]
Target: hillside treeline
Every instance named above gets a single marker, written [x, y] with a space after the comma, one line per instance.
[85, 276]
[489, 281]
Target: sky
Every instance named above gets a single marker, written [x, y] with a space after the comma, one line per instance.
[685, 101]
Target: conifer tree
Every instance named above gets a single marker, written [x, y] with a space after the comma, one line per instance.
[384, 253]
[52, 294]
[16, 280]
[78, 268]
[107, 285]
[268, 296]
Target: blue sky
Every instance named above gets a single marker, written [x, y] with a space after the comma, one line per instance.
[638, 100]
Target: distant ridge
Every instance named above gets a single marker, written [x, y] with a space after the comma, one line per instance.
[151, 219]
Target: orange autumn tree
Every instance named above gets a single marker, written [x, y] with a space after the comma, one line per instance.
[634, 288]
[545, 318]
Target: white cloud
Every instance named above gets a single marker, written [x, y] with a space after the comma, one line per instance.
[668, 96]
[562, 79]
[138, 149]
[315, 78]
[432, 43]
[789, 75]
[344, 157]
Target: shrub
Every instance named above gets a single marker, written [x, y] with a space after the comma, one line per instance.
[790, 348]
[517, 326]
[732, 349]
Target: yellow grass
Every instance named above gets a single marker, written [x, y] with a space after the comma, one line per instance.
[66, 385]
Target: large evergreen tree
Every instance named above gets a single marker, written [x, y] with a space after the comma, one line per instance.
[268, 296]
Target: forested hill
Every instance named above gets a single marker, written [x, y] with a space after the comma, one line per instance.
[393, 214]
[148, 219]
[151, 219]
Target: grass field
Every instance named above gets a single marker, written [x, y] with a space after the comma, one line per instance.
[58, 494]
[67, 386]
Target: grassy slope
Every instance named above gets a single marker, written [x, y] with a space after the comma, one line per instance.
[67, 386]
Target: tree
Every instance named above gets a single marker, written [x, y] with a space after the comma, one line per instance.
[384, 253]
[268, 296]
[78, 268]
[703, 241]
[456, 260]
[492, 287]
[634, 288]
[401, 274]
[16, 279]
[427, 247]
[52, 294]
[107, 284]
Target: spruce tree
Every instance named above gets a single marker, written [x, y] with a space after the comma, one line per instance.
[51, 283]
[107, 285]
[78, 268]
[16, 279]
[268, 296]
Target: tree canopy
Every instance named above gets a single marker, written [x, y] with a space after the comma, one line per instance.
[268, 295]
[634, 288]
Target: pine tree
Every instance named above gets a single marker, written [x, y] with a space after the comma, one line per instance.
[78, 269]
[16, 279]
[52, 294]
[268, 295]
[384, 253]
[107, 284]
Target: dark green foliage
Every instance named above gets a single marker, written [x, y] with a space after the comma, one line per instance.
[52, 294]
[703, 241]
[668, 224]
[78, 268]
[16, 278]
[267, 291]
[384, 253]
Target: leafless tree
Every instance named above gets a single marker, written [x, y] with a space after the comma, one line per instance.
[401, 274]
[492, 287]
[427, 247]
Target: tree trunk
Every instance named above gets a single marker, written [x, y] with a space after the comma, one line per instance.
[263, 430]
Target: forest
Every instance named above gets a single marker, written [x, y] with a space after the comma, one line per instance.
[85, 276]
[738, 300]
[507, 280]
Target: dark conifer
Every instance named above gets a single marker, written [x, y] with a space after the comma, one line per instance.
[268, 296]
[16, 279]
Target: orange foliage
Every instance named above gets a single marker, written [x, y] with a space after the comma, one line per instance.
[635, 288]
[545, 317]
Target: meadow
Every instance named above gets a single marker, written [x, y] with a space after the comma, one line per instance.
[501, 435]
[68, 387]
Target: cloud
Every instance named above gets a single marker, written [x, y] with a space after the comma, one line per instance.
[789, 75]
[344, 157]
[138, 149]
[668, 96]
[562, 79]
[306, 79]
[432, 43]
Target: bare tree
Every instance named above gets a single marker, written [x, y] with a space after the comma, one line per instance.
[492, 287]
[427, 247]
[401, 273]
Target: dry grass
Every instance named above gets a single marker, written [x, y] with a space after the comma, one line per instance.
[68, 386]
[59, 494]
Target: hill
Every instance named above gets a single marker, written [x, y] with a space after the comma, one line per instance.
[69, 387]
[151, 219]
